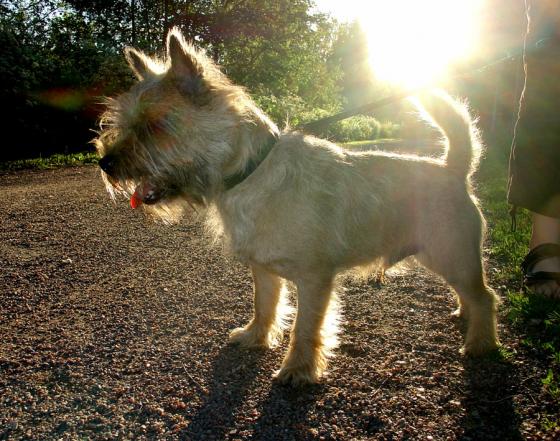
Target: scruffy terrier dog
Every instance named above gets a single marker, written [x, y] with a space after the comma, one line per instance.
[291, 206]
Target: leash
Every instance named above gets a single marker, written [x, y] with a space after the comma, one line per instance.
[513, 208]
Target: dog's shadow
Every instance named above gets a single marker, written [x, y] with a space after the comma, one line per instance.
[240, 378]
[490, 384]
[236, 379]
[488, 400]
[233, 372]
[284, 413]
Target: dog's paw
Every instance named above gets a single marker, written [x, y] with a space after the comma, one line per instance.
[300, 368]
[297, 376]
[480, 348]
[252, 336]
[460, 313]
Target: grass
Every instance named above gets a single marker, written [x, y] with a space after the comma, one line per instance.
[537, 318]
[370, 143]
[54, 161]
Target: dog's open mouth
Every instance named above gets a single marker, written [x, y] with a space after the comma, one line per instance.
[146, 193]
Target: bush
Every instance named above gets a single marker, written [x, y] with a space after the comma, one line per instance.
[362, 128]
[291, 110]
[54, 161]
[288, 110]
[390, 129]
[356, 128]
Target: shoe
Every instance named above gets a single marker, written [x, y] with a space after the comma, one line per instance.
[531, 278]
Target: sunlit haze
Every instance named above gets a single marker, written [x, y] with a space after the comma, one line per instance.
[412, 42]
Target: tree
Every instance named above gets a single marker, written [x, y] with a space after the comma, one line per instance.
[60, 57]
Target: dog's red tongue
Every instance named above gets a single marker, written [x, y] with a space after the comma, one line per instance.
[137, 198]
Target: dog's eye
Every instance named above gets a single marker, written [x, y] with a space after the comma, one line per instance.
[155, 126]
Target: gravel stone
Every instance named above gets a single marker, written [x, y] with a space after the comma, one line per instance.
[115, 327]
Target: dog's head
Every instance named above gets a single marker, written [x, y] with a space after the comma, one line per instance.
[173, 135]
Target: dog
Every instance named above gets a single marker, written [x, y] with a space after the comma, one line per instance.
[291, 206]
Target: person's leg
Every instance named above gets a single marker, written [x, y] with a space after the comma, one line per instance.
[546, 230]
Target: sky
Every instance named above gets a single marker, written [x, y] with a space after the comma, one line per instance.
[343, 10]
[417, 47]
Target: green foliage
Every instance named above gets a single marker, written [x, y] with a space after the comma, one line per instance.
[292, 111]
[552, 384]
[287, 57]
[358, 82]
[538, 318]
[506, 247]
[54, 161]
[357, 128]
[55, 68]
[60, 57]
[288, 110]
[361, 128]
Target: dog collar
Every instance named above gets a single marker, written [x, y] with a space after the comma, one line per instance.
[252, 164]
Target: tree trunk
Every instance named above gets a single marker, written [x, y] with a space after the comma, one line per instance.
[133, 19]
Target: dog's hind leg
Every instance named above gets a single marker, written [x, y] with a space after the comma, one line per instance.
[481, 304]
[271, 309]
[458, 260]
[313, 333]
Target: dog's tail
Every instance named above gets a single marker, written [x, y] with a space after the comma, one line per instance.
[463, 146]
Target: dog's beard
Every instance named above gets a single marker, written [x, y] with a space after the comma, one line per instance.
[184, 184]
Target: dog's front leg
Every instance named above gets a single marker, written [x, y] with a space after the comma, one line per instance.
[307, 356]
[265, 329]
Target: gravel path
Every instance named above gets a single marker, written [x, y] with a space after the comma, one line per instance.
[113, 327]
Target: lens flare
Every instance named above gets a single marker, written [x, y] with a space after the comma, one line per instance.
[413, 43]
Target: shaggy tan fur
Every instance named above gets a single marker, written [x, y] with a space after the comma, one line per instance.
[310, 210]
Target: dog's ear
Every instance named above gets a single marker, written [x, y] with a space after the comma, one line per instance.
[186, 70]
[138, 62]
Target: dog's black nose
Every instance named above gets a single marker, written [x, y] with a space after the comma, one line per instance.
[107, 164]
